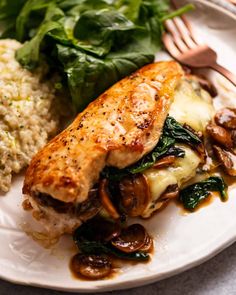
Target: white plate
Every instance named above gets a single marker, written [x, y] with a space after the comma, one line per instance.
[181, 241]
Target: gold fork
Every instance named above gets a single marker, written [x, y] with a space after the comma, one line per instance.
[183, 44]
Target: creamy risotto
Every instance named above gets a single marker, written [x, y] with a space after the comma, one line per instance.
[29, 115]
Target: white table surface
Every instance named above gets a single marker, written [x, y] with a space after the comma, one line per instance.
[215, 277]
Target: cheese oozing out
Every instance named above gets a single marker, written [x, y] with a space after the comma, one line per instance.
[192, 106]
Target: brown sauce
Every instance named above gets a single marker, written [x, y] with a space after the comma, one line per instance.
[229, 180]
[26, 205]
[204, 203]
[117, 264]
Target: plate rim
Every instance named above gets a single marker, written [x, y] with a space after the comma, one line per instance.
[137, 282]
[147, 279]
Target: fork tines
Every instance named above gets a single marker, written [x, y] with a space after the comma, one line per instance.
[181, 36]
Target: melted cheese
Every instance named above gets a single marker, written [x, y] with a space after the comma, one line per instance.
[192, 106]
[159, 179]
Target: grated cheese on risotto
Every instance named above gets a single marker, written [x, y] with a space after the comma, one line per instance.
[28, 113]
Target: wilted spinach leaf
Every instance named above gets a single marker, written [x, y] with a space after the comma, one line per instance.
[84, 239]
[94, 247]
[173, 132]
[193, 195]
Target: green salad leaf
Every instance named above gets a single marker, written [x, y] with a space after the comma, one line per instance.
[88, 75]
[28, 55]
[130, 8]
[8, 14]
[23, 21]
[92, 44]
[103, 30]
[193, 195]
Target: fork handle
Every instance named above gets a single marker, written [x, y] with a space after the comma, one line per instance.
[230, 76]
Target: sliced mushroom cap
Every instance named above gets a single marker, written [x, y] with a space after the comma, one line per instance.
[97, 231]
[164, 162]
[202, 152]
[197, 133]
[226, 118]
[103, 230]
[171, 192]
[220, 135]
[105, 199]
[233, 136]
[131, 239]
[91, 266]
[200, 148]
[206, 85]
[57, 205]
[91, 207]
[135, 194]
[226, 159]
[148, 245]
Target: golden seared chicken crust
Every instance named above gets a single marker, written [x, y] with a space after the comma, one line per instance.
[117, 129]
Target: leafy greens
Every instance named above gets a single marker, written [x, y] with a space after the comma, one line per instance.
[85, 239]
[91, 43]
[172, 132]
[193, 195]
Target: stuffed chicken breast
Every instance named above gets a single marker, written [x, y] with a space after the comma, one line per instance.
[126, 153]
